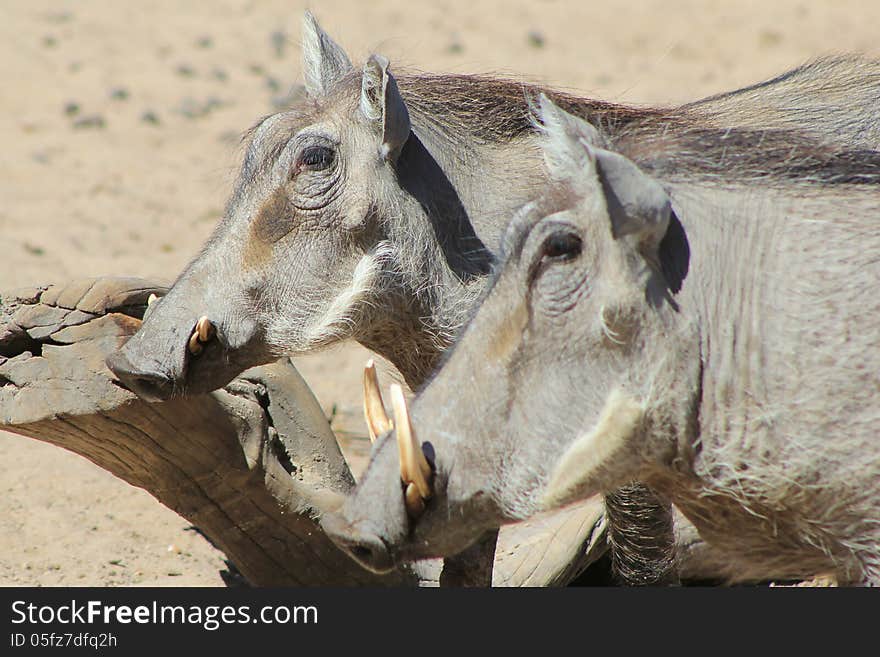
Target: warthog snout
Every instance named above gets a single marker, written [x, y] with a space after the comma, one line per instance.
[149, 384]
[181, 350]
[154, 380]
[400, 508]
[365, 547]
[398, 458]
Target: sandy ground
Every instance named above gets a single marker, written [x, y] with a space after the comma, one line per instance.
[120, 124]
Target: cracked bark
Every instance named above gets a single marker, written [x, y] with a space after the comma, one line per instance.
[217, 459]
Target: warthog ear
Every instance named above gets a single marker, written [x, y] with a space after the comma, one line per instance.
[566, 138]
[638, 206]
[575, 153]
[324, 62]
[381, 102]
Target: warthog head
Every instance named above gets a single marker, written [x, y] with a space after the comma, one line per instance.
[309, 249]
[550, 392]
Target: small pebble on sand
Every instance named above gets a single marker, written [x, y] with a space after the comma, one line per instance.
[150, 117]
[95, 121]
[279, 42]
[536, 39]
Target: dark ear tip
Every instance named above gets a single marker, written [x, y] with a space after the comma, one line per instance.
[674, 253]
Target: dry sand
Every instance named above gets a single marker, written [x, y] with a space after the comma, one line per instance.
[120, 125]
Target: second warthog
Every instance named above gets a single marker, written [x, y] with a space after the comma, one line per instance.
[738, 377]
[369, 209]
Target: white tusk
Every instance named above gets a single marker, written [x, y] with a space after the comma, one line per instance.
[151, 299]
[374, 409]
[413, 501]
[204, 329]
[195, 347]
[414, 467]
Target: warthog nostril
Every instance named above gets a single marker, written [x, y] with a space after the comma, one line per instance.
[149, 385]
[362, 553]
[151, 388]
[366, 548]
[370, 552]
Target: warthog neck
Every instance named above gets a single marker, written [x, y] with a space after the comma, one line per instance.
[776, 470]
[459, 194]
[472, 160]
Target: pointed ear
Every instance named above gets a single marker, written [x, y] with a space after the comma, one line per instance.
[574, 149]
[566, 138]
[637, 204]
[577, 154]
[640, 211]
[324, 62]
[381, 102]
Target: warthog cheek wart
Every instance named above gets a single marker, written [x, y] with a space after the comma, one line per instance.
[275, 219]
[509, 335]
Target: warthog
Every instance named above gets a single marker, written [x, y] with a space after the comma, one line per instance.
[736, 375]
[368, 210]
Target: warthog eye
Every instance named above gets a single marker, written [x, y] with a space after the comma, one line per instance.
[561, 246]
[316, 158]
[558, 246]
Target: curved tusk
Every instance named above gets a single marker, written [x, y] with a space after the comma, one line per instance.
[374, 408]
[151, 299]
[195, 347]
[414, 467]
[414, 502]
[204, 329]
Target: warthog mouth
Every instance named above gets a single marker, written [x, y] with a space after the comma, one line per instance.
[366, 548]
[153, 385]
[358, 536]
[416, 474]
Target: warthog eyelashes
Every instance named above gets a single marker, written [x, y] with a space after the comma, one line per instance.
[562, 246]
[316, 158]
[559, 246]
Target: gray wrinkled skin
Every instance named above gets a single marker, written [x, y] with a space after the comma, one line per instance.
[368, 209]
[712, 337]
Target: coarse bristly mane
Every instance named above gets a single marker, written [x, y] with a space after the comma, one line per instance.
[497, 110]
[675, 144]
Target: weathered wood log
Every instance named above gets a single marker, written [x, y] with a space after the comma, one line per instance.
[251, 465]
